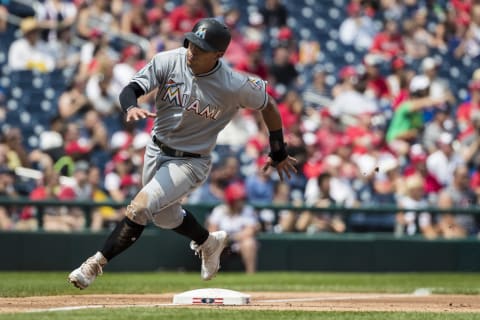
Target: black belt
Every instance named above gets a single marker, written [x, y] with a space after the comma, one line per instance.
[173, 152]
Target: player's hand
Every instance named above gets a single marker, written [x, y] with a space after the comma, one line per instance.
[284, 167]
[136, 113]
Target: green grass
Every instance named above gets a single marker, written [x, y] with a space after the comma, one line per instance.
[24, 284]
[219, 313]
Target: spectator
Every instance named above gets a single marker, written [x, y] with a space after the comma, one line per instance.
[285, 38]
[340, 189]
[470, 143]
[256, 29]
[184, 17]
[358, 28]
[322, 221]
[3, 18]
[416, 37]
[75, 146]
[412, 222]
[371, 193]
[274, 14]
[65, 53]
[467, 109]
[253, 62]
[362, 135]
[434, 128]
[285, 218]
[376, 85]
[237, 50]
[133, 19]
[212, 191]
[102, 217]
[442, 163]
[55, 218]
[121, 182]
[389, 42]
[18, 154]
[157, 14]
[398, 81]
[407, 120]
[417, 165]
[96, 16]
[240, 222]
[439, 87]
[7, 189]
[290, 109]
[350, 96]
[470, 42]
[457, 195]
[259, 185]
[29, 52]
[95, 131]
[73, 103]
[99, 88]
[316, 95]
[130, 62]
[81, 186]
[239, 130]
[282, 71]
[55, 15]
[163, 39]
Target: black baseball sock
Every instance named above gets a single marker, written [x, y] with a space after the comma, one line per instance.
[122, 237]
[190, 228]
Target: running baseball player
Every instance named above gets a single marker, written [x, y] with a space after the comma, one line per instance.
[197, 96]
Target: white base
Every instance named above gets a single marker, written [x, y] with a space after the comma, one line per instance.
[211, 296]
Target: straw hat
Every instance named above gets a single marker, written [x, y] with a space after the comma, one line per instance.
[28, 25]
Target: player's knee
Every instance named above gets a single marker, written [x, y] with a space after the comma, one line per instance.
[137, 210]
[167, 220]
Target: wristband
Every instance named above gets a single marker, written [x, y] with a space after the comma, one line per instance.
[278, 153]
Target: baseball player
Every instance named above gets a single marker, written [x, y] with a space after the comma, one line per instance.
[198, 95]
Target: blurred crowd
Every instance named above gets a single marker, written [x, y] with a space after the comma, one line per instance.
[386, 129]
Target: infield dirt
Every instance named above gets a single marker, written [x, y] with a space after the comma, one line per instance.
[311, 301]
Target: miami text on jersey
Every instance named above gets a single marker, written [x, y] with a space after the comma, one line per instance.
[174, 95]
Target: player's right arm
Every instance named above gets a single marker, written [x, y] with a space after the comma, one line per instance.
[129, 103]
[145, 81]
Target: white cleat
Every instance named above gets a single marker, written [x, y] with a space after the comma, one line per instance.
[84, 275]
[210, 252]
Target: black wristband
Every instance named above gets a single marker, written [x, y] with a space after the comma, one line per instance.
[278, 152]
[129, 95]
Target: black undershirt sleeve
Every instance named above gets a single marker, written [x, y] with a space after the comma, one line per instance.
[129, 95]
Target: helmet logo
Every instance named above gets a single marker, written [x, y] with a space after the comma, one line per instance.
[201, 32]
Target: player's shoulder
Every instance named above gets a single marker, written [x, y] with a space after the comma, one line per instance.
[237, 79]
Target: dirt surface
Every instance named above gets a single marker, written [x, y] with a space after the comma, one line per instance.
[259, 300]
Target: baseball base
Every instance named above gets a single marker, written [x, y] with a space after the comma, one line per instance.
[212, 296]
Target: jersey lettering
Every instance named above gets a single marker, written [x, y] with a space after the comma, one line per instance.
[210, 112]
[194, 106]
[172, 95]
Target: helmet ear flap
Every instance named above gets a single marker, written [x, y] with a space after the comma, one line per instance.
[185, 43]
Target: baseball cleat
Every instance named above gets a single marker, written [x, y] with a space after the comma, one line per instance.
[210, 252]
[84, 275]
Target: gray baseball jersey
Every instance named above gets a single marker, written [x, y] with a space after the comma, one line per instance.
[193, 109]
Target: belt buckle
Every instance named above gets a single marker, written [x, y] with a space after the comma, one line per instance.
[178, 153]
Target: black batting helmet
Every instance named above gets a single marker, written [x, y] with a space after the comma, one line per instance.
[209, 34]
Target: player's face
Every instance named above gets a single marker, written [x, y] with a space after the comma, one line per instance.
[201, 61]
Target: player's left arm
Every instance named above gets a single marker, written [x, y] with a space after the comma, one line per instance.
[278, 156]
